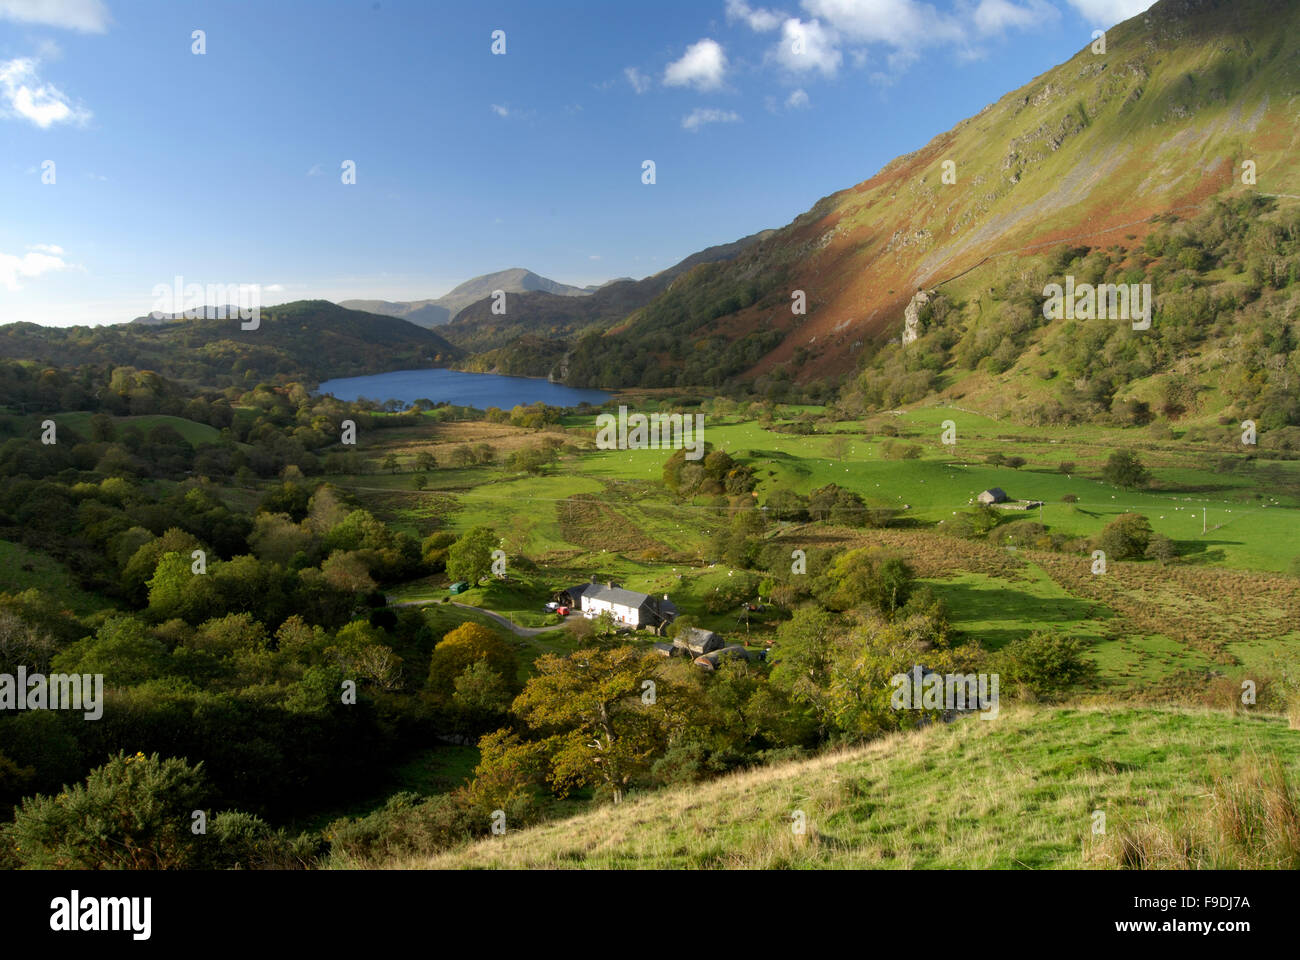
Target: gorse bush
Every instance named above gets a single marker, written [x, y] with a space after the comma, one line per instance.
[137, 813]
[1044, 665]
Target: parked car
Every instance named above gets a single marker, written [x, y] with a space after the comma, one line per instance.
[562, 611]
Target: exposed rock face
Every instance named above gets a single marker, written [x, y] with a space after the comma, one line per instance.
[912, 316]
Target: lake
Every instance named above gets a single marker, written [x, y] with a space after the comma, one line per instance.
[480, 390]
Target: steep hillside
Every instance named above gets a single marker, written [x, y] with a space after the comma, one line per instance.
[304, 340]
[1221, 347]
[555, 317]
[434, 313]
[1016, 791]
[1087, 152]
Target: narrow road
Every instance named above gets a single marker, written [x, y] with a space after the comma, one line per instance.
[517, 630]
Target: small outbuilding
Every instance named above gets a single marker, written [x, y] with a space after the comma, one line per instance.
[695, 642]
[711, 661]
[993, 495]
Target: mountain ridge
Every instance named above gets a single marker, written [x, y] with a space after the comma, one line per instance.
[1093, 147]
[441, 310]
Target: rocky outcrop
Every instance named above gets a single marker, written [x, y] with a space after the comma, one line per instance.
[912, 316]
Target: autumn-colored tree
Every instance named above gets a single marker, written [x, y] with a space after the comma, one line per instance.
[462, 648]
[344, 570]
[607, 714]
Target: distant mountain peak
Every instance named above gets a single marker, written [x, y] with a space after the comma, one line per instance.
[436, 312]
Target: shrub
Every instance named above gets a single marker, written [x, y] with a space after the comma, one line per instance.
[135, 813]
[1123, 469]
[1126, 537]
[1046, 665]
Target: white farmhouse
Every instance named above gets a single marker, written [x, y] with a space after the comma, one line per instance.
[627, 607]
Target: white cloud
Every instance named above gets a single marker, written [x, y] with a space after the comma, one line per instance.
[807, 46]
[41, 258]
[898, 23]
[994, 16]
[23, 94]
[759, 20]
[88, 16]
[640, 82]
[500, 111]
[316, 170]
[702, 116]
[797, 100]
[703, 66]
[904, 28]
[1107, 13]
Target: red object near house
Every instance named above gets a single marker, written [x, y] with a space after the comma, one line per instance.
[562, 611]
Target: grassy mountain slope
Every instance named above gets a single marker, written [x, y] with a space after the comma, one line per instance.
[307, 339]
[1016, 791]
[1221, 349]
[1160, 122]
[552, 316]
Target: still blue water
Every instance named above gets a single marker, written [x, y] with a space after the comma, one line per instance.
[480, 390]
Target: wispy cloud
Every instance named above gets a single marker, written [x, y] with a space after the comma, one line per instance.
[500, 110]
[703, 66]
[22, 94]
[703, 116]
[829, 31]
[1107, 13]
[88, 16]
[760, 20]
[797, 100]
[640, 82]
[996, 16]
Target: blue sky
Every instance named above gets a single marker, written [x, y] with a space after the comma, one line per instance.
[226, 167]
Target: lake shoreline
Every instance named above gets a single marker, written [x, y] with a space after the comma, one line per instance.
[479, 391]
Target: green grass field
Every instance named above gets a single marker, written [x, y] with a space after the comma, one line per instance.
[1015, 792]
[605, 514]
[23, 569]
[194, 433]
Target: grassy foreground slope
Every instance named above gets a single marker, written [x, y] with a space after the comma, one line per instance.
[1017, 791]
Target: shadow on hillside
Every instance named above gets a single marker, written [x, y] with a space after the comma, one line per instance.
[967, 602]
[1204, 551]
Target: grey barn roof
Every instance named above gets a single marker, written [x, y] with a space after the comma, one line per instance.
[626, 598]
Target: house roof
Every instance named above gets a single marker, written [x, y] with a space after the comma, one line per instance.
[996, 492]
[696, 633]
[625, 598]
